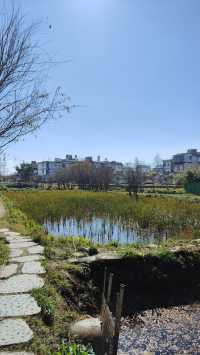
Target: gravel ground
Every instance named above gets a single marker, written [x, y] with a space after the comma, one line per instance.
[165, 331]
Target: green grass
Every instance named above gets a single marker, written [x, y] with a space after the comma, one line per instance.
[4, 252]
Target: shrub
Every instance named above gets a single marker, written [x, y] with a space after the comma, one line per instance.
[47, 304]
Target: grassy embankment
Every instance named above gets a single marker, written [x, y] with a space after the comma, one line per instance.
[69, 292]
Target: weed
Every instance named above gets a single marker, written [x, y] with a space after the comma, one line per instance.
[4, 252]
[75, 349]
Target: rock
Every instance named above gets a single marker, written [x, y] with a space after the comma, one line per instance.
[39, 249]
[17, 245]
[4, 230]
[86, 259]
[33, 267]
[24, 259]
[16, 252]
[18, 305]
[89, 328]
[20, 283]
[8, 270]
[18, 240]
[12, 234]
[14, 331]
[152, 246]
[108, 256]
[101, 256]
[78, 255]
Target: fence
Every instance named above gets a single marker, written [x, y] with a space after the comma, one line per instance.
[110, 324]
[193, 188]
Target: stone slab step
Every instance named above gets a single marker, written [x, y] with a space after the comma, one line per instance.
[24, 259]
[14, 331]
[12, 234]
[39, 249]
[33, 267]
[18, 305]
[8, 270]
[20, 283]
[18, 240]
[4, 230]
[16, 252]
[18, 245]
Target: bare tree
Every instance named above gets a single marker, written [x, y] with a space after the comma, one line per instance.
[25, 104]
[86, 175]
[64, 178]
[157, 160]
[135, 177]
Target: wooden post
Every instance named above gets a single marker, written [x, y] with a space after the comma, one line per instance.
[119, 305]
[109, 287]
[104, 285]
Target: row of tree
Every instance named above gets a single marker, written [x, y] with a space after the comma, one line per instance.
[86, 175]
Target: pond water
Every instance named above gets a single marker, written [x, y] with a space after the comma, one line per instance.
[101, 230]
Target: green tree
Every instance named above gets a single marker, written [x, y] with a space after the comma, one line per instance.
[26, 172]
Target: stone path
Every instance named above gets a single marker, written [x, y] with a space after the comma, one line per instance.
[20, 276]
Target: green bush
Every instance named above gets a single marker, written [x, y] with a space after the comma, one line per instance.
[47, 304]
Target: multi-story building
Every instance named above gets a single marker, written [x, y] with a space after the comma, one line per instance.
[47, 169]
[50, 168]
[182, 161]
[145, 169]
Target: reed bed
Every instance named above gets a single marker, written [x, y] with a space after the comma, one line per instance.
[156, 214]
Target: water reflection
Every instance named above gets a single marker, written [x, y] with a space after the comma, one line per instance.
[101, 230]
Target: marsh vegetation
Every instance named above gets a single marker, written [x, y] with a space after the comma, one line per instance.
[105, 217]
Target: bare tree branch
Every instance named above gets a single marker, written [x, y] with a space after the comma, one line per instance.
[25, 104]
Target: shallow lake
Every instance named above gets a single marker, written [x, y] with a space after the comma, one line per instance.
[101, 230]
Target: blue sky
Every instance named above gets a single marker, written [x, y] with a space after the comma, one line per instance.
[134, 70]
